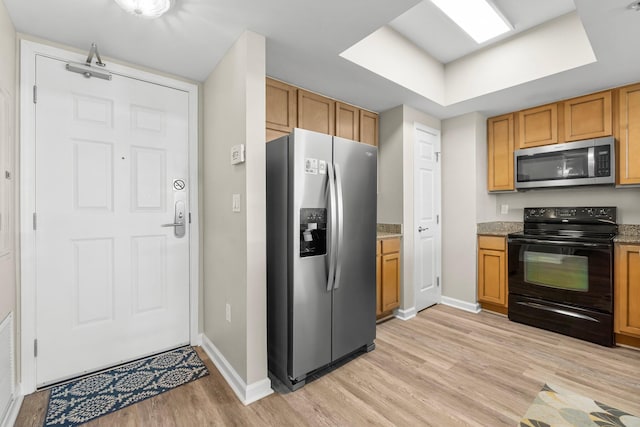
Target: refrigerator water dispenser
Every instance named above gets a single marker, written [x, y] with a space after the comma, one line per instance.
[313, 232]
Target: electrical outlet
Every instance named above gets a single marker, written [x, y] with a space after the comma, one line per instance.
[228, 313]
[504, 209]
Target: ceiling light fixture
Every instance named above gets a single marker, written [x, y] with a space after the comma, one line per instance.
[478, 18]
[145, 8]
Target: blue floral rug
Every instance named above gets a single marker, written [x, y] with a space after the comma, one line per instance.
[555, 407]
[85, 399]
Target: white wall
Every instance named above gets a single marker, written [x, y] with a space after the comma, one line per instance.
[464, 202]
[7, 163]
[8, 200]
[234, 243]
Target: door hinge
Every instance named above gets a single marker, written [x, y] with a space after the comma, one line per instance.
[189, 217]
[438, 282]
[35, 348]
[35, 94]
[437, 156]
[35, 221]
[437, 219]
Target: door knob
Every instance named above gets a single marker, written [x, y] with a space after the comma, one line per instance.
[421, 229]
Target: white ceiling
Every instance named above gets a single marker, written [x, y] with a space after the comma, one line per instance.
[305, 38]
[427, 26]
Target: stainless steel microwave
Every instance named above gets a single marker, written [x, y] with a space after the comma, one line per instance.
[588, 162]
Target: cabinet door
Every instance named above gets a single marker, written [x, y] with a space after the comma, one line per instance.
[627, 290]
[390, 281]
[538, 126]
[347, 121]
[629, 146]
[368, 127]
[316, 112]
[500, 153]
[492, 285]
[588, 116]
[378, 280]
[281, 111]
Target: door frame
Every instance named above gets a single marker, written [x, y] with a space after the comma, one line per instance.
[414, 233]
[28, 52]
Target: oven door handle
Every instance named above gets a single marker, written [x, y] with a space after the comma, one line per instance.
[557, 242]
[558, 311]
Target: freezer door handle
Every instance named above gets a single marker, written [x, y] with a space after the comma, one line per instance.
[340, 225]
[332, 226]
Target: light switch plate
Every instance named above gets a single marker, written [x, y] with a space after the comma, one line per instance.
[237, 154]
[235, 203]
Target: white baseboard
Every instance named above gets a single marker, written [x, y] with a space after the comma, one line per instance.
[247, 393]
[461, 305]
[12, 413]
[407, 314]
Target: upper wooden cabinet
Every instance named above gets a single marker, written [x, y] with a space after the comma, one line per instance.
[316, 112]
[347, 121]
[500, 137]
[289, 106]
[588, 116]
[538, 126]
[628, 151]
[627, 290]
[281, 108]
[368, 128]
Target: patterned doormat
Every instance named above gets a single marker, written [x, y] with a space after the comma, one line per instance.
[555, 407]
[85, 399]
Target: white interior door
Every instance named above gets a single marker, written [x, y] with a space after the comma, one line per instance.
[427, 217]
[112, 284]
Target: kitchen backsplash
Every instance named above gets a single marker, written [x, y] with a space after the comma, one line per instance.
[389, 228]
[629, 229]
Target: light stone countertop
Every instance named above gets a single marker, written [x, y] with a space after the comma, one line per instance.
[628, 233]
[499, 228]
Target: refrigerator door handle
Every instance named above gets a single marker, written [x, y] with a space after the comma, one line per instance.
[340, 225]
[332, 226]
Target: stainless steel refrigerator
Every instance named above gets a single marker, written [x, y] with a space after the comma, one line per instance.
[321, 257]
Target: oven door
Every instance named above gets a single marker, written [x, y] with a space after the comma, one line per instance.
[566, 272]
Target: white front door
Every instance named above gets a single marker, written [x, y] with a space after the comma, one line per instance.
[112, 284]
[427, 216]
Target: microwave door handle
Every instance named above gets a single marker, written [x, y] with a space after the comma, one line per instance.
[591, 162]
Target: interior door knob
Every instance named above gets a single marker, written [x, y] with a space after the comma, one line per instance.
[421, 229]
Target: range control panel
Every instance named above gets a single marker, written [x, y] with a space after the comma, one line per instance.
[596, 214]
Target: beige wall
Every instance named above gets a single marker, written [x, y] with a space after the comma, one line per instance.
[8, 149]
[234, 243]
[390, 166]
[463, 201]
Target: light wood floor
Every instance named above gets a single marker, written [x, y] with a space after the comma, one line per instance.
[444, 368]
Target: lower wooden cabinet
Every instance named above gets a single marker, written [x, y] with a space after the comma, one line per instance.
[492, 273]
[627, 290]
[387, 276]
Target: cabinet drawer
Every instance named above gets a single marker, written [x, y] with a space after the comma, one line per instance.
[497, 243]
[390, 245]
